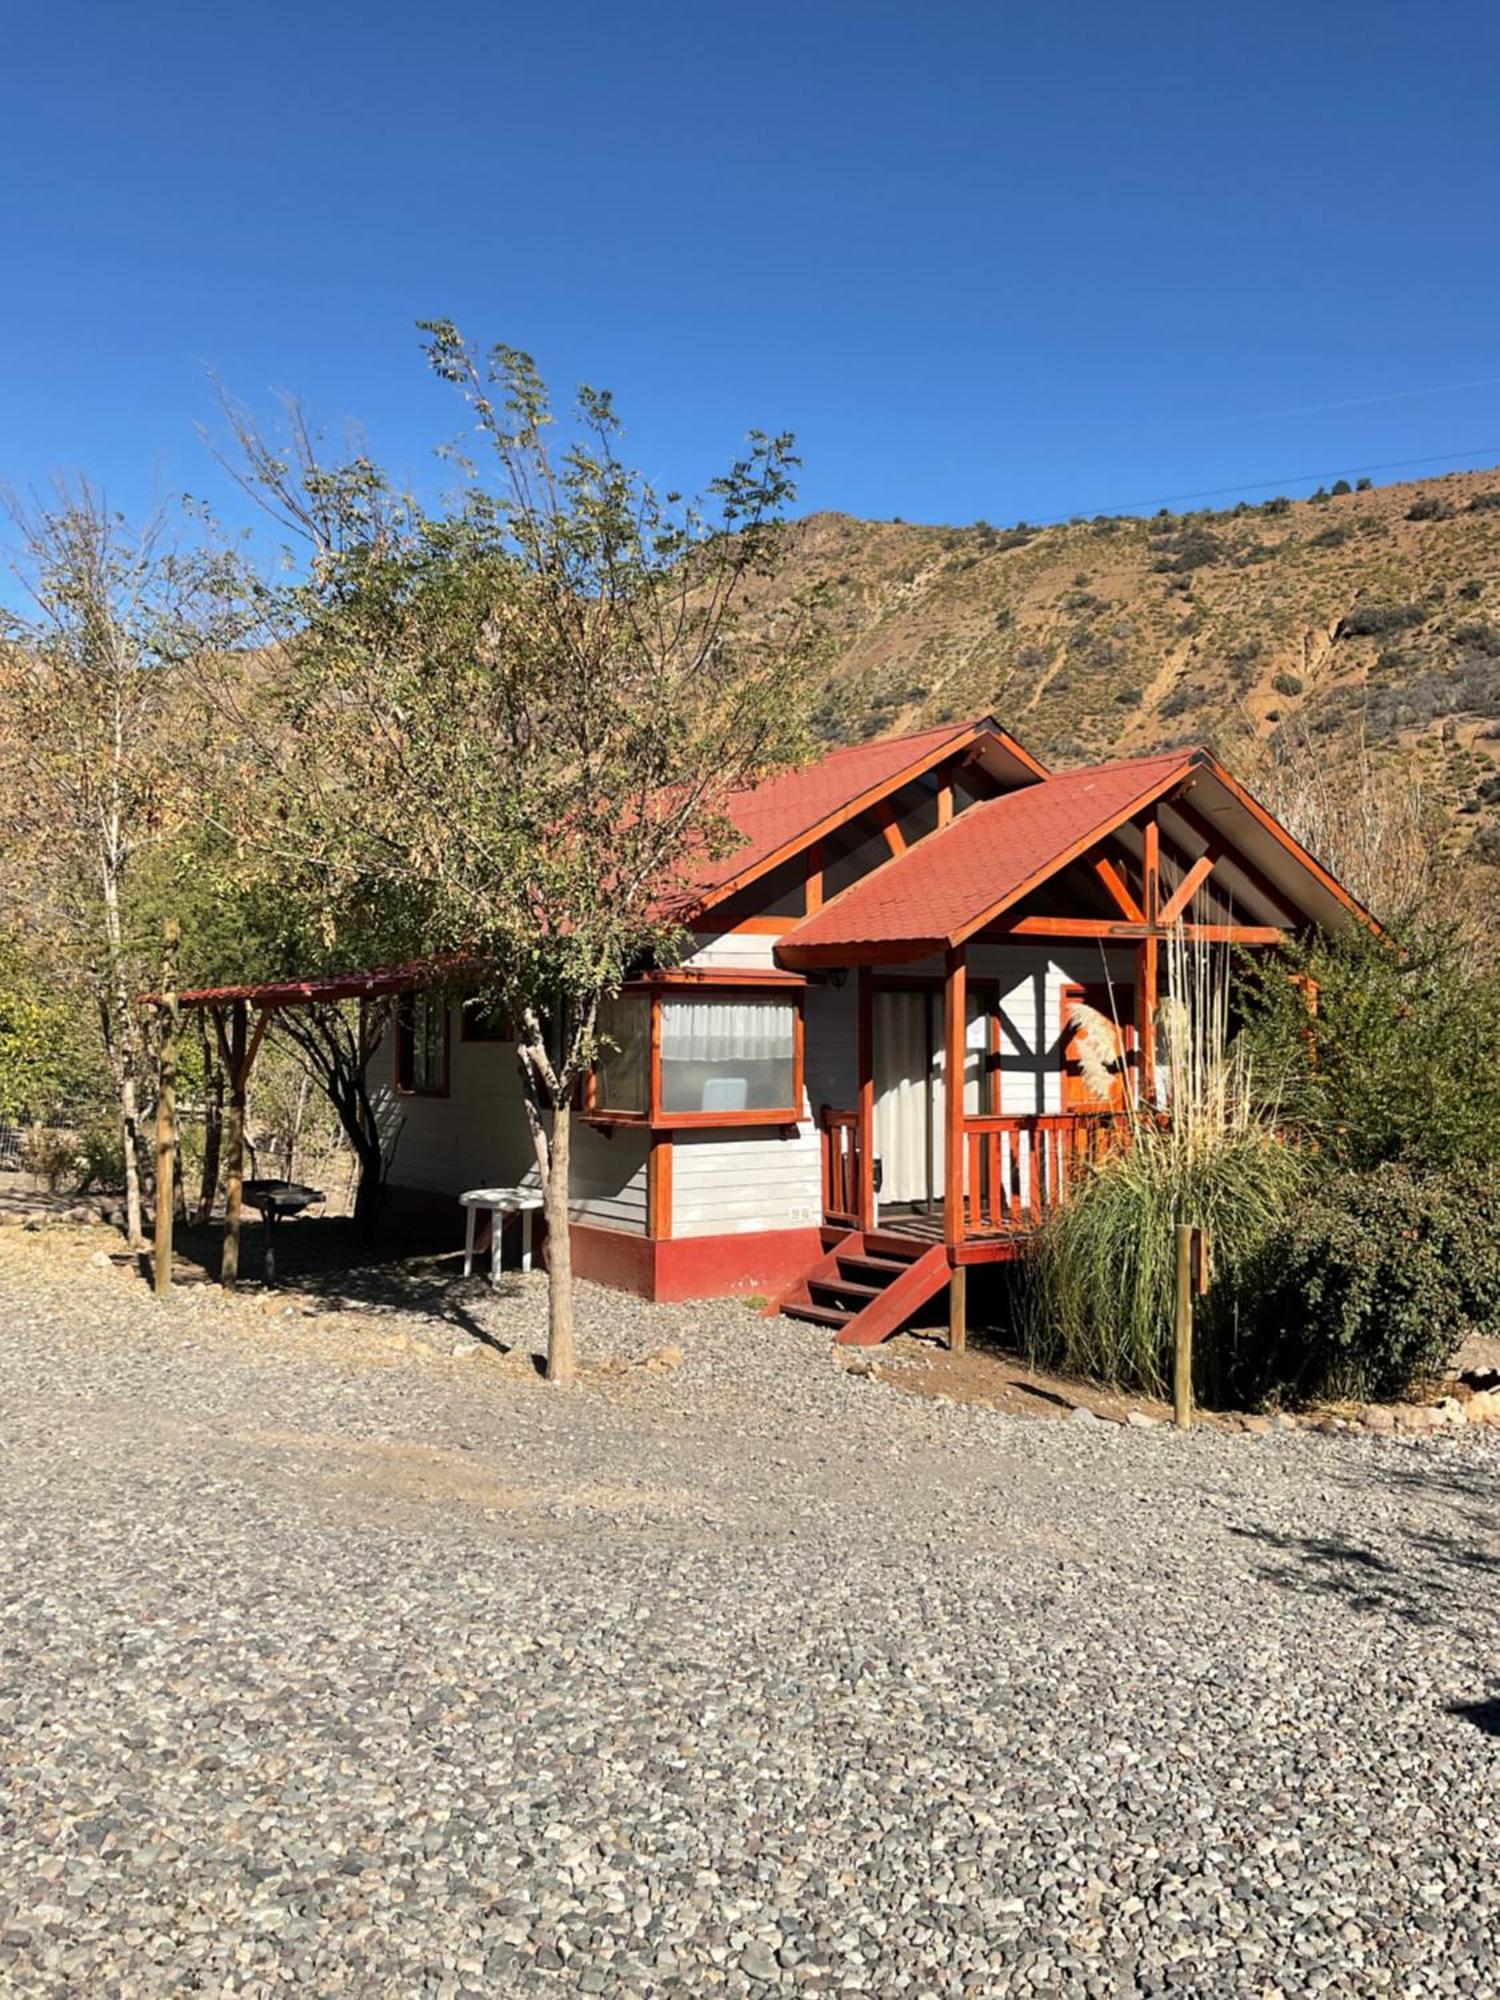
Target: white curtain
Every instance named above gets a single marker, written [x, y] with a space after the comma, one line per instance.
[727, 1031]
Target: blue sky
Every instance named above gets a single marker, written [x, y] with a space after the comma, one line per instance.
[987, 261]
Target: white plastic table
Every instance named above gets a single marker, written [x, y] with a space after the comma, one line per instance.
[499, 1202]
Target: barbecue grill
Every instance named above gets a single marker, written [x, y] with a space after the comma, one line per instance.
[275, 1199]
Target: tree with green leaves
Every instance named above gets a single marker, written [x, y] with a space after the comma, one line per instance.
[88, 777]
[505, 731]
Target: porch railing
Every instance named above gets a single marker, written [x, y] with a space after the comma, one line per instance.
[1017, 1169]
[843, 1167]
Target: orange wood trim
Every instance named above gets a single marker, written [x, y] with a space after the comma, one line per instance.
[716, 975]
[799, 1054]
[1293, 846]
[884, 816]
[258, 1035]
[945, 802]
[1148, 962]
[1151, 870]
[653, 1062]
[812, 895]
[1106, 928]
[866, 1098]
[659, 1187]
[1118, 889]
[1241, 863]
[747, 927]
[1177, 903]
[1079, 848]
[955, 1038]
[962, 739]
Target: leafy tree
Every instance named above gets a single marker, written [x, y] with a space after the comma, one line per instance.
[1399, 1060]
[87, 774]
[44, 1049]
[510, 728]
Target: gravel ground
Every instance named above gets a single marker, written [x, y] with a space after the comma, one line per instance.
[332, 1661]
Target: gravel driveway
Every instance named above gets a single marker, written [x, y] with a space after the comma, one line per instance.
[331, 1662]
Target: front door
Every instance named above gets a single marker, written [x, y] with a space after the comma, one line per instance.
[909, 1093]
[908, 1096]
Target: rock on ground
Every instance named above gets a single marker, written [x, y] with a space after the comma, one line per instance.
[332, 1662]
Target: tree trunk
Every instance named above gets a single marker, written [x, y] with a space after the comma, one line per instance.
[562, 1364]
[130, 1135]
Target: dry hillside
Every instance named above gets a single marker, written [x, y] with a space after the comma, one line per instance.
[1368, 617]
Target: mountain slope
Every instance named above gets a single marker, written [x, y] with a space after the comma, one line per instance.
[1366, 618]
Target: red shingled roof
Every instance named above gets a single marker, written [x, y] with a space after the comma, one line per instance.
[786, 811]
[948, 885]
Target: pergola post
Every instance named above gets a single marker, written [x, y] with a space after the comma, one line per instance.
[955, 1052]
[166, 1113]
[234, 1166]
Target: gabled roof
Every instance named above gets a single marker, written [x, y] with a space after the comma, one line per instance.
[945, 888]
[788, 812]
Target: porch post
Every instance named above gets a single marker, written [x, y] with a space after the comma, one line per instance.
[866, 1196]
[234, 1172]
[955, 1039]
[1148, 960]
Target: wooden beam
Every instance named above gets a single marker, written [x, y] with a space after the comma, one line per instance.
[945, 801]
[166, 1111]
[885, 818]
[955, 1045]
[1177, 903]
[1106, 929]
[866, 1097]
[813, 893]
[1259, 882]
[1119, 891]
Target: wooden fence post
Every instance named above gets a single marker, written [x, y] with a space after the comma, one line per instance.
[1182, 1348]
[166, 1111]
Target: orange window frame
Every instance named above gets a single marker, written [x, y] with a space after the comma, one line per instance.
[655, 1117]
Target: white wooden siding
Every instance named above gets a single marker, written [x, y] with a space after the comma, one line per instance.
[734, 951]
[1031, 981]
[477, 1136]
[739, 1182]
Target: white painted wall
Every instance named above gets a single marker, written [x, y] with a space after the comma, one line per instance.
[477, 1136]
[1032, 977]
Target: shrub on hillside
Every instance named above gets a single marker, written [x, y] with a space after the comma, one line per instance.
[1287, 683]
[1483, 502]
[1367, 621]
[1370, 1286]
[1428, 508]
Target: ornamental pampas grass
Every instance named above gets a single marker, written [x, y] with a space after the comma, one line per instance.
[1098, 1293]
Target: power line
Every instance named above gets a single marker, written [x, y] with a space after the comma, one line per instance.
[1489, 451]
[1364, 402]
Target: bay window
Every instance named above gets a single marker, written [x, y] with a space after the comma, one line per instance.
[708, 1054]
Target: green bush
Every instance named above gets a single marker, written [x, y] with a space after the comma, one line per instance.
[1371, 1286]
[1401, 1060]
[1288, 684]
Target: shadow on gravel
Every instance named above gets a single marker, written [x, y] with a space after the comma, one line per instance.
[1484, 1715]
[1432, 1577]
[331, 1268]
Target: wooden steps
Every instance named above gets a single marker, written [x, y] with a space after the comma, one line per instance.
[866, 1286]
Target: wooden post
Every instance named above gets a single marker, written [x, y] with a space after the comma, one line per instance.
[166, 1110]
[234, 1172]
[955, 1052]
[866, 1195]
[958, 1308]
[1148, 961]
[1182, 1350]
